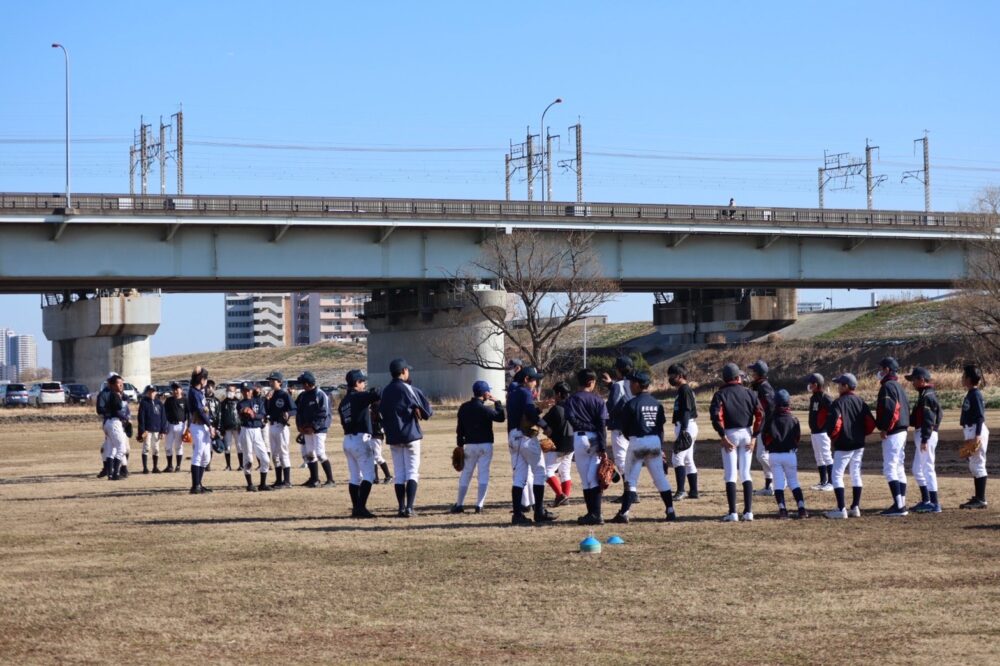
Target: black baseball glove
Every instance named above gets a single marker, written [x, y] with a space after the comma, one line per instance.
[684, 441]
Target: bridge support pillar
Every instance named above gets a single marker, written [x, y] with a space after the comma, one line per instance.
[440, 333]
[94, 336]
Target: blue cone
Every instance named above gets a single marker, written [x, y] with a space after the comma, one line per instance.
[615, 540]
[590, 545]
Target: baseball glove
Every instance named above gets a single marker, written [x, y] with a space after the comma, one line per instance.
[186, 437]
[300, 439]
[684, 441]
[218, 445]
[968, 449]
[605, 472]
[530, 430]
[546, 444]
[127, 427]
[458, 458]
[248, 413]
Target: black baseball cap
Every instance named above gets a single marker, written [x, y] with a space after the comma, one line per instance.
[889, 363]
[276, 376]
[308, 378]
[782, 398]
[355, 376]
[847, 379]
[815, 378]
[623, 363]
[246, 386]
[174, 385]
[531, 372]
[397, 365]
[919, 373]
[730, 371]
[760, 367]
[641, 378]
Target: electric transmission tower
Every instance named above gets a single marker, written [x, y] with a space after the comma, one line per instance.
[922, 175]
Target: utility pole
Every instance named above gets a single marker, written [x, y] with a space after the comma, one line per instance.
[131, 168]
[143, 154]
[838, 166]
[531, 159]
[872, 181]
[924, 175]
[179, 149]
[821, 184]
[548, 163]
[506, 176]
[576, 165]
[162, 154]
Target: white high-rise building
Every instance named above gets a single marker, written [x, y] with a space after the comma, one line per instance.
[27, 352]
[258, 320]
[8, 372]
[325, 317]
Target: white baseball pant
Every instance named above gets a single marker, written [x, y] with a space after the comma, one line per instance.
[685, 458]
[842, 460]
[360, 458]
[587, 458]
[377, 451]
[619, 450]
[250, 444]
[406, 461]
[231, 438]
[526, 459]
[821, 448]
[646, 452]
[315, 448]
[894, 457]
[764, 458]
[924, 472]
[277, 437]
[175, 439]
[201, 445]
[736, 463]
[151, 443]
[558, 464]
[116, 439]
[477, 458]
[786, 470]
[977, 461]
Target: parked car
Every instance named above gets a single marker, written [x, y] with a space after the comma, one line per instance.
[76, 394]
[131, 393]
[46, 393]
[14, 395]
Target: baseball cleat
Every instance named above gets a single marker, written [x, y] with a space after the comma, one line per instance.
[747, 517]
[328, 484]
[479, 509]
[205, 490]
[837, 514]
[922, 507]
[311, 484]
[826, 488]
[590, 519]
[456, 508]
[386, 480]
[194, 491]
[895, 512]
[410, 513]
[401, 514]
[544, 517]
[730, 518]
[818, 486]
[251, 489]
[671, 517]
[620, 518]
[264, 488]
[679, 495]
[561, 500]
[764, 492]
[854, 512]
[803, 513]
[782, 514]
[363, 513]
[974, 503]
[520, 519]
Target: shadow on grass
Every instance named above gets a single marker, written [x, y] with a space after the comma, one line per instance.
[47, 478]
[226, 521]
[988, 528]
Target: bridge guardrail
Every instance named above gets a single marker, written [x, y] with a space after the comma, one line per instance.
[333, 207]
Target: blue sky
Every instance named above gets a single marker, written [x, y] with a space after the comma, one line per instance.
[775, 82]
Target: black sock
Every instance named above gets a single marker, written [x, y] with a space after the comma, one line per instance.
[800, 500]
[627, 501]
[263, 479]
[829, 473]
[597, 501]
[779, 497]
[668, 500]
[731, 496]
[516, 498]
[539, 497]
[748, 497]
[314, 472]
[229, 459]
[624, 489]
[363, 490]
[666, 467]
[693, 485]
[679, 475]
[933, 497]
[822, 474]
[981, 488]
[385, 469]
[156, 462]
[894, 491]
[239, 457]
[145, 462]
[411, 493]
[328, 470]
[839, 492]
[249, 478]
[194, 477]
[902, 489]
[856, 497]
[401, 495]
[352, 490]
[767, 483]
[924, 495]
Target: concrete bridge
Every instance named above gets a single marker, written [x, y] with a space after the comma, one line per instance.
[220, 243]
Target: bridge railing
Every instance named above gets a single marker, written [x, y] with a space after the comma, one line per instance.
[119, 204]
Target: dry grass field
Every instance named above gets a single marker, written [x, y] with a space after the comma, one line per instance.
[139, 571]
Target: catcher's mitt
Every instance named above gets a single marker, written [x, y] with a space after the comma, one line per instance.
[684, 441]
[546, 444]
[605, 471]
[186, 437]
[458, 458]
[968, 449]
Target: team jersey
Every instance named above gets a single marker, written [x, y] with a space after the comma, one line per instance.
[819, 411]
[176, 410]
[642, 416]
[782, 433]
[735, 406]
[279, 407]
[620, 393]
[586, 412]
[973, 411]
[892, 413]
[927, 414]
[558, 428]
[355, 412]
[685, 407]
[257, 405]
[849, 422]
[475, 422]
[765, 396]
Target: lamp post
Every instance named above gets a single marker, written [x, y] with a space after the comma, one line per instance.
[69, 203]
[541, 139]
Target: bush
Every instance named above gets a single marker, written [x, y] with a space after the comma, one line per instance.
[601, 364]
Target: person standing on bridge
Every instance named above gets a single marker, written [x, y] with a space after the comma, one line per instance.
[312, 417]
[892, 418]
[403, 407]
[765, 396]
[176, 409]
[280, 409]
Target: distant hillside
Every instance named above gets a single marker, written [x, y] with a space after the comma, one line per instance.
[896, 321]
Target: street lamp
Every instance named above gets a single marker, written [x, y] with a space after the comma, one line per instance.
[541, 138]
[69, 203]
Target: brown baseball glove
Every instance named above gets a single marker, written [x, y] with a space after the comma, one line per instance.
[186, 437]
[605, 472]
[458, 458]
[248, 412]
[968, 449]
[546, 444]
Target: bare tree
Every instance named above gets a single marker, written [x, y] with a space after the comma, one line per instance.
[553, 280]
[976, 309]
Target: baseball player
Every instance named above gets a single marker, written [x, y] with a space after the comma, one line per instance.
[100, 404]
[279, 408]
[619, 393]
[355, 417]
[176, 410]
[781, 437]
[152, 424]
[202, 430]
[213, 407]
[765, 395]
[892, 418]
[251, 438]
[403, 407]
[736, 414]
[588, 415]
[849, 422]
[685, 433]
[559, 461]
[642, 420]
[926, 419]
[378, 437]
[819, 411]
[474, 433]
[116, 415]
[312, 417]
[229, 421]
[973, 422]
[526, 456]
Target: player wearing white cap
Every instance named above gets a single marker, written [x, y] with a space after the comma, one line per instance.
[850, 421]
[819, 411]
[474, 434]
[973, 422]
[926, 419]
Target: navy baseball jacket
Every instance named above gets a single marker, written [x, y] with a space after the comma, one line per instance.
[558, 429]
[257, 405]
[850, 421]
[475, 422]
[279, 407]
[927, 414]
[396, 408]
[619, 394]
[520, 404]
[892, 414]
[819, 411]
[685, 408]
[735, 406]
[312, 409]
[115, 407]
[355, 412]
[642, 416]
[782, 433]
[765, 396]
[196, 405]
[973, 411]
[586, 412]
[151, 418]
